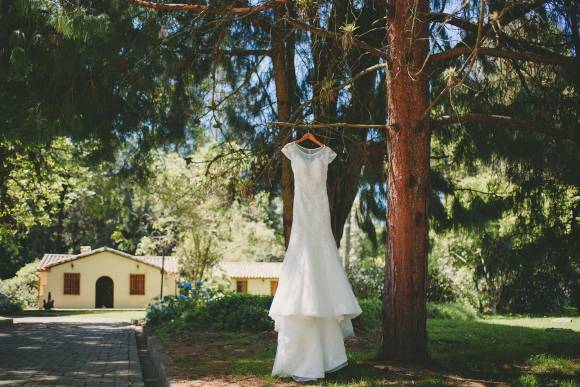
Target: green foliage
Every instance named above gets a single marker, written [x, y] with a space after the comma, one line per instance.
[371, 316]
[439, 286]
[367, 277]
[204, 308]
[53, 202]
[95, 72]
[451, 311]
[237, 311]
[191, 298]
[23, 287]
[192, 206]
[8, 304]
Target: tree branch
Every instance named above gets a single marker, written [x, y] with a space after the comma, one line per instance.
[234, 52]
[535, 126]
[447, 18]
[198, 8]
[508, 14]
[327, 34]
[328, 125]
[498, 53]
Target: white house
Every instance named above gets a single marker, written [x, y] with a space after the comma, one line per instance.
[252, 277]
[106, 278]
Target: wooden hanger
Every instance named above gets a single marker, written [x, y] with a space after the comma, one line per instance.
[309, 136]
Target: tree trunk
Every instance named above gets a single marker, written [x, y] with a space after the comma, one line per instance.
[347, 231]
[281, 81]
[408, 147]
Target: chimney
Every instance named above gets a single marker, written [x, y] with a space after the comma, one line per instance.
[85, 249]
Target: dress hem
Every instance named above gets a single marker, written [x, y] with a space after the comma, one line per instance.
[308, 379]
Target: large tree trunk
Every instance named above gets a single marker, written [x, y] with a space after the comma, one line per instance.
[408, 147]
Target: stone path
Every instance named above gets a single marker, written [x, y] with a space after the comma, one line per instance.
[69, 351]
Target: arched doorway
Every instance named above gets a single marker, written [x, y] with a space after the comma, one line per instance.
[104, 293]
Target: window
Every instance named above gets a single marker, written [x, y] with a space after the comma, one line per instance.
[242, 286]
[137, 282]
[273, 286]
[72, 283]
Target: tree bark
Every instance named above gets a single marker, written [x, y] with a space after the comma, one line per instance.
[408, 147]
[282, 84]
[347, 231]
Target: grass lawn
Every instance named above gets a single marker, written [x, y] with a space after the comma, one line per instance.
[482, 352]
[124, 315]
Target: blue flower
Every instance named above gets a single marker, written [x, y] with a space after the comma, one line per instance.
[198, 282]
[186, 285]
[153, 306]
[182, 297]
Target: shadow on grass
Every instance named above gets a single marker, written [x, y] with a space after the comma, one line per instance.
[461, 353]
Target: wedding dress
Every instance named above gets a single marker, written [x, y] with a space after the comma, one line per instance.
[314, 302]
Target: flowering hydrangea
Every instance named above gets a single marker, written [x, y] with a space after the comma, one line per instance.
[191, 297]
[185, 285]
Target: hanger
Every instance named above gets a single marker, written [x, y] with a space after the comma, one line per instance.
[309, 136]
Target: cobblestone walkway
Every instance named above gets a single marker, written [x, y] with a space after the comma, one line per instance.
[61, 351]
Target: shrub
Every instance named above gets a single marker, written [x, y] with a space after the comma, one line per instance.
[366, 277]
[371, 315]
[191, 297]
[451, 311]
[440, 287]
[8, 304]
[237, 311]
[23, 287]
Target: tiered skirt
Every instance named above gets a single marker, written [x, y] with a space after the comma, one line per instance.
[309, 346]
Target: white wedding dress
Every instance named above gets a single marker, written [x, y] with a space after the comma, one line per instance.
[314, 303]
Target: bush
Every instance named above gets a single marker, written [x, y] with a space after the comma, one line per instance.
[371, 315]
[23, 287]
[237, 311]
[8, 304]
[440, 288]
[367, 276]
[191, 297]
[228, 311]
[451, 311]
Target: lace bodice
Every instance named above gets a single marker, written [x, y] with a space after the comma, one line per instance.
[310, 167]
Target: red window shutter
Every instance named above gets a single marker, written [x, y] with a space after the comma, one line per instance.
[273, 286]
[72, 283]
[137, 284]
[242, 286]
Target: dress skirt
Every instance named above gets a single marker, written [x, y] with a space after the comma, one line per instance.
[309, 346]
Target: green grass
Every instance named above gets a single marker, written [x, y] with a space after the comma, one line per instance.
[461, 351]
[124, 315]
[532, 322]
[451, 311]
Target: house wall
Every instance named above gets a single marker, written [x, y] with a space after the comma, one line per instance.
[255, 285]
[105, 263]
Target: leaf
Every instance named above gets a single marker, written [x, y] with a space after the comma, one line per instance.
[18, 59]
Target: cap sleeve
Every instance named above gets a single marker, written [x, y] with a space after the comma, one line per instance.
[329, 156]
[287, 150]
